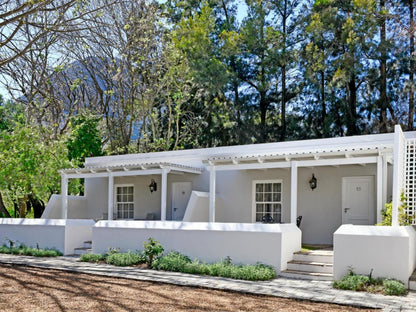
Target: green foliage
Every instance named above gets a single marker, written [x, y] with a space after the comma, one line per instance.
[152, 249]
[92, 257]
[387, 213]
[356, 282]
[30, 251]
[178, 262]
[125, 259]
[84, 140]
[394, 288]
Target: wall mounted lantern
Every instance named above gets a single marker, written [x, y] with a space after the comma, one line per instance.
[152, 186]
[313, 182]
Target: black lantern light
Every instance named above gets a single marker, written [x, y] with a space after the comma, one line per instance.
[313, 182]
[153, 186]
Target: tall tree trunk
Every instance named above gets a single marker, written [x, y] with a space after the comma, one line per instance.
[284, 21]
[383, 72]
[412, 67]
[3, 209]
[352, 128]
[325, 130]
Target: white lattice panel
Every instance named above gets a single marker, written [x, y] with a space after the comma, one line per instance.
[409, 179]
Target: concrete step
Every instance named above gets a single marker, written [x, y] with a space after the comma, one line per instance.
[82, 250]
[321, 256]
[310, 266]
[307, 275]
[412, 281]
[87, 244]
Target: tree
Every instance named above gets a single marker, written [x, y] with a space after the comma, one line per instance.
[84, 139]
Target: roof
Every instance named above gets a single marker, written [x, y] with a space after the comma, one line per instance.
[133, 167]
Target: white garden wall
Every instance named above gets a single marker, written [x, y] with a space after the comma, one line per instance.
[389, 251]
[64, 235]
[77, 207]
[271, 244]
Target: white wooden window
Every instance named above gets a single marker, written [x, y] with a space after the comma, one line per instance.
[125, 201]
[267, 201]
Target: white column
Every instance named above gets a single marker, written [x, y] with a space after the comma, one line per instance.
[164, 194]
[293, 192]
[384, 199]
[64, 196]
[397, 174]
[380, 177]
[110, 196]
[212, 181]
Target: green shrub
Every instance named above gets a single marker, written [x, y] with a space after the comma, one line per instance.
[387, 213]
[92, 258]
[125, 259]
[177, 262]
[152, 249]
[393, 287]
[352, 282]
[30, 251]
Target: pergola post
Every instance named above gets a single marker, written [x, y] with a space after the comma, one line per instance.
[398, 172]
[293, 192]
[164, 194]
[212, 182]
[380, 179]
[110, 196]
[64, 196]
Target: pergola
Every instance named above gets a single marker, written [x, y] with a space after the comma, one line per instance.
[110, 172]
[379, 154]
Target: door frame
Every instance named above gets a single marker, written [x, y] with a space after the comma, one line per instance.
[372, 198]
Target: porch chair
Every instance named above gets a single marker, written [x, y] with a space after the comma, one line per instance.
[298, 221]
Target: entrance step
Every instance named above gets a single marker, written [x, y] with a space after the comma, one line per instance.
[412, 281]
[305, 275]
[311, 264]
[86, 248]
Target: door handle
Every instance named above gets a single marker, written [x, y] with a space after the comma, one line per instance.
[346, 210]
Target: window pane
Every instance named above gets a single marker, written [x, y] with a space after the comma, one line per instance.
[268, 187]
[267, 197]
[130, 190]
[268, 207]
[275, 187]
[130, 198]
[259, 217]
[259, 187]
[279, 187]
[259, 208]
[259, 197]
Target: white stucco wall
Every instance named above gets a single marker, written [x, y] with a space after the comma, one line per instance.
[389, 251]
[244, 243]
[64, 235]
[77, 207]
[197, 209]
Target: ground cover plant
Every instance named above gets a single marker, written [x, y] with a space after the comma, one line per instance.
[30, 251]
[357, 282]
[177, 262]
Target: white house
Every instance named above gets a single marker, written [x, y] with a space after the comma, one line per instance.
[248, 191]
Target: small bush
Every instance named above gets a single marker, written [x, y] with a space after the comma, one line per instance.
[125, 259]
[30, 251]
[394, 288]
[352, 282]
[355, 282]
[152, 249]
[177, 262]
[92, 258]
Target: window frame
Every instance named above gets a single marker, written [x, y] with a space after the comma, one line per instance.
[116, 186]
[254, 202]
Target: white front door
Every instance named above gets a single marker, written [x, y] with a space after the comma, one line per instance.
[358, 200]
[181, 191]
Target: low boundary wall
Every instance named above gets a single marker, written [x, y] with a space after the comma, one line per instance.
[389, 251]
[271, 244]
[64, 235]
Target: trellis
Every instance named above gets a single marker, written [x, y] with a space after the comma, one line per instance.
[409, 179]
